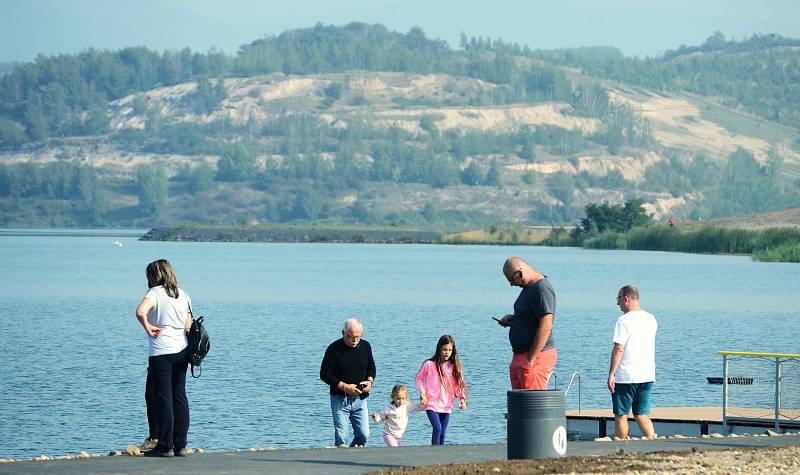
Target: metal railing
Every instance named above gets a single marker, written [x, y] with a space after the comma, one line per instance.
[758, 387]
[575, 375]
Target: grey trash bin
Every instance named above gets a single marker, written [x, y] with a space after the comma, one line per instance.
[537, 424]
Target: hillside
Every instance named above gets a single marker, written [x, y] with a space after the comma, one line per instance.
[459, 138]
[789, 218]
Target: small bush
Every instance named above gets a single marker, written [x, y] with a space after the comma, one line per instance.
[606, 240]
[783, 253]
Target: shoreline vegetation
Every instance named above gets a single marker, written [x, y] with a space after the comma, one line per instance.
[299, 233]
[766, 245]
[288, 233]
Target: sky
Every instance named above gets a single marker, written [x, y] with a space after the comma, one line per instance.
[637, 27]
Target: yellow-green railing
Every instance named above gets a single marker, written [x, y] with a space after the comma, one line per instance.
[756, 383]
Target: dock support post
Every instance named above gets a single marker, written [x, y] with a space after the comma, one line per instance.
[725, 394]
[778, 372]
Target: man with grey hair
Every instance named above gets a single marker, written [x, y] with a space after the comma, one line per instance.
[349, 369]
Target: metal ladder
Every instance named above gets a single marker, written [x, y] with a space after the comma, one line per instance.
[575, 375]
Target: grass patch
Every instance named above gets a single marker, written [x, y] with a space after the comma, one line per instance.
[743, 124]
[505, 236]
[784, 253]
[772, 245]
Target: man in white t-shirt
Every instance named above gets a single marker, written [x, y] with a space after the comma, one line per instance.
[633, 364]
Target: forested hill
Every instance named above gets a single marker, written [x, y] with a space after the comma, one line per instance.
[760, 74]
[359, 124]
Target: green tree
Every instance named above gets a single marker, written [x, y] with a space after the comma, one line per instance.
[201, 178]
[308, 205]
[332, 94]
[528, 152]
[562, 186]
[12, 133]
[238, 163]
[439, 171]
[618, 218]
[428, 123]
[472, 174]
[430, 212]
[94, 197]
[153, 188]
[493, 176]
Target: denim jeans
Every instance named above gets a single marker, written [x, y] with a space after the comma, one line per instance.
[352, 408]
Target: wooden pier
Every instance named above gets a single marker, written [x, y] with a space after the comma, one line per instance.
[687, 421]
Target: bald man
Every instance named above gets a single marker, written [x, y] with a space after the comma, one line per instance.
[531, 332]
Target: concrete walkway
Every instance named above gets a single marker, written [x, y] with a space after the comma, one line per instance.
[354, 461]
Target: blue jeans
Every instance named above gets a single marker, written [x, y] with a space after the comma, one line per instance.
[355, 409]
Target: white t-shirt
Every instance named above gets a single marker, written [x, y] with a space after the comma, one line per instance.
[636, 330]
[170, 315]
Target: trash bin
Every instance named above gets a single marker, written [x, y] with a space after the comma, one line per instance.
[537, 424]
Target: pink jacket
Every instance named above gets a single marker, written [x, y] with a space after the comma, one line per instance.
[430, 384]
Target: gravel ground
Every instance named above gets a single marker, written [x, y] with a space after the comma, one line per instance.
[747, 461]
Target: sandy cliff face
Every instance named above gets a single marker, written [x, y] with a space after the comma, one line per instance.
[445, 102]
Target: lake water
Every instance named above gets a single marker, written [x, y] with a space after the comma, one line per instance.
[73, 357]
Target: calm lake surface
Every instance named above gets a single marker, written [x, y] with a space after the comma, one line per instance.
[73, 357]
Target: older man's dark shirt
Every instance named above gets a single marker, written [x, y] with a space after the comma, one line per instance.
[347, 364]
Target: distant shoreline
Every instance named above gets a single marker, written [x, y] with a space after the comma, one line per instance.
[305, 233]
[72, 232]
[291, 234]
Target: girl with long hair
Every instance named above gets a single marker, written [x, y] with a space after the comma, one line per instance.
[439, 380]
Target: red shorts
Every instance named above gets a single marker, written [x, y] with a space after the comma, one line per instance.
[535, 375]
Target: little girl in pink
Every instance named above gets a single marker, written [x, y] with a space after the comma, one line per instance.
[438, 381]
[396, 416]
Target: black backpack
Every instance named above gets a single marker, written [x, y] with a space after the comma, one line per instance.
[199, 344]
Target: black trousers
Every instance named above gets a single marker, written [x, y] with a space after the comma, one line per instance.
[172, 406]
[150, 401]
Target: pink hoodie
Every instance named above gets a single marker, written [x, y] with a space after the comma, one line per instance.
[430, 384]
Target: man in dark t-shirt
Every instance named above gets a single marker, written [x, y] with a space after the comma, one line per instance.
[349, 369]
[531, 332]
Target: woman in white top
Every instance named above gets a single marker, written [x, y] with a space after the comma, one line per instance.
[165, 314]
